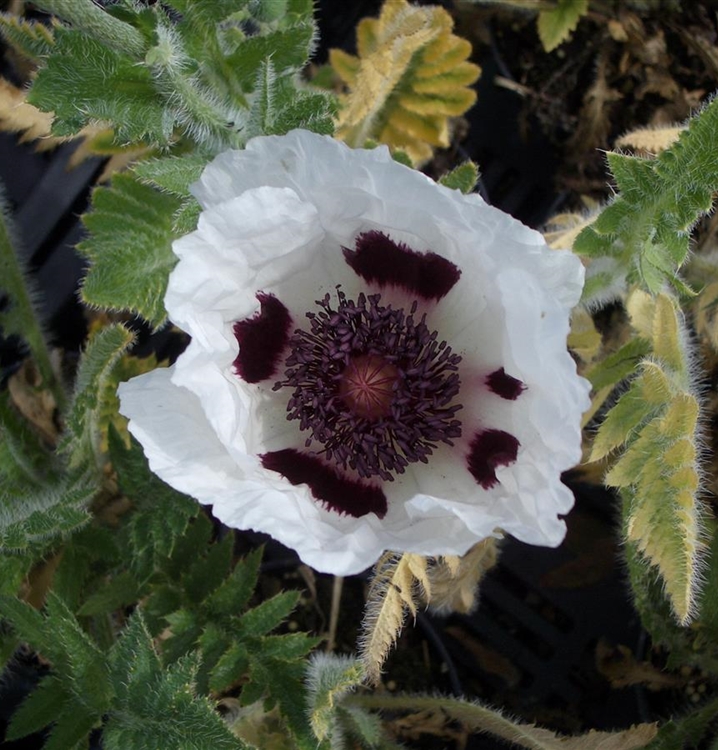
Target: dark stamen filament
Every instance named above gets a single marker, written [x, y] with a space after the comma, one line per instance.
[372, 385]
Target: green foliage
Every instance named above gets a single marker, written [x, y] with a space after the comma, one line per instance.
[464, 177]
[25, 463]
[141, 705]
[646, 229]
[555, 25]
[161, 514]
[19, 317]
[171, 174]
[619, 365]
[85, 80]
[695, 646]
[33, 40]
[411, 74]
[28, 520]
[77, 694]
[656, 420]
[82, 438]
[90, 18]
[199, 598]
[38, 502]
[277, 107]
[139, 70]
[156, 708]
[329, 679]
[129, 248]
[689, 731]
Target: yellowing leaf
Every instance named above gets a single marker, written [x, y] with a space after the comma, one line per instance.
[652, 140]
[641, 306]
[479, 718]
[410, 76]
[583, 338]
[564, 228]
[455, 581]
[706, 319]
[630, 412]
[681, 418]
[666, 333]
[392, 592]
[17, 116]
[656, 387]
[555, 25]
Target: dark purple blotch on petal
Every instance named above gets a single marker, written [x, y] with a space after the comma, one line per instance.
[340, 494]
[504, 385]
[380, 260]
[262, 339]
[488, 450]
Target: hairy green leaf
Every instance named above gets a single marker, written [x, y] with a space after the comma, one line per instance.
[129, 248]
[172, 174]
[283, 681]
[647, 227]
[329, 678]
[556, 25]
[24, 461]
[658, 471]
[464, 177]
[619, 365]
[77, 694]
[288, 48]
[269, 614]
[39, 709]
[120, 591]
[82, 439]
[157, 708]
[234, 593]
[33, 40]
[230, 667]
[160, 515]
[96, 23]
[27, 521]
[84, 80]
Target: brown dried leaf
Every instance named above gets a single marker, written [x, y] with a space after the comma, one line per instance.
[391, 593]
[35, 403]
[562, 229]
[650, 140]
[595, 117]
[418, 567]
[621, 668]
[454, 589]
[488, 659]
[17, 116]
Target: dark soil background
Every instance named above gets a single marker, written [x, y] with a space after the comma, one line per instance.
[555, 639]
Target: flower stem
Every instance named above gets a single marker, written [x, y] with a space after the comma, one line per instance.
[477, 717]
[22, 318]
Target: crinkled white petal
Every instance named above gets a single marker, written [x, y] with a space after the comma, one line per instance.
[275, 218]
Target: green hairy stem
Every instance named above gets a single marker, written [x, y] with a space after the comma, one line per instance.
[23, 317]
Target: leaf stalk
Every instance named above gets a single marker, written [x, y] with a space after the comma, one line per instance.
[16, 284]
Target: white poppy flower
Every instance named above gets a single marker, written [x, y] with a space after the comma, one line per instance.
[377, 362]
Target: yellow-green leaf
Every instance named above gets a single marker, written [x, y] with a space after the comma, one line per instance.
[410, 75]
[555, 25]
[666, 333]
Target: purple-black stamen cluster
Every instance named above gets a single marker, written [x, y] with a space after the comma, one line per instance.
[418, 415]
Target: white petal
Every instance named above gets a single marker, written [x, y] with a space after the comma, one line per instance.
[275, 219]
